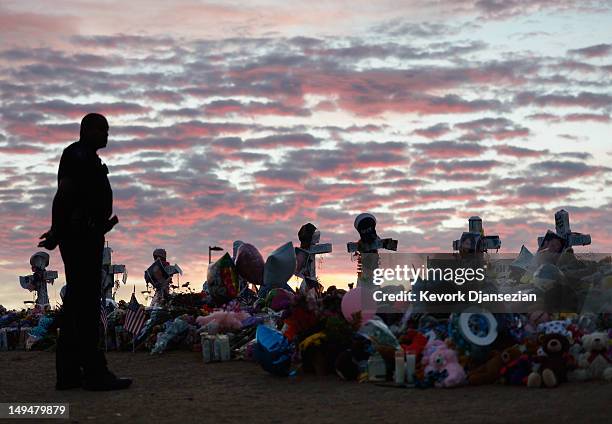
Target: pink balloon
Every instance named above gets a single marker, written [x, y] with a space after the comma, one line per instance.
[250, 263]
[358, 300]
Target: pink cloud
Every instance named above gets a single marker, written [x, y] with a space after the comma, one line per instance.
[598, 50]
[519, 152]
[77, 111]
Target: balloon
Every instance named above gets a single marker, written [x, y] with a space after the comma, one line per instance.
[272, 351]
[222, 279]
[250, 263]
[235, 247]
[279, 299]
[280, 266]
[358, 300]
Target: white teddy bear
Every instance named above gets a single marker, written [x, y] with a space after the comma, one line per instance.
[595, 363]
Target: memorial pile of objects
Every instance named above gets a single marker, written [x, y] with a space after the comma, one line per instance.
[28, 329]
[247, 311]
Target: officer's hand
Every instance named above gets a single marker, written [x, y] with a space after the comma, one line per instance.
[49, 241]
[110, 224]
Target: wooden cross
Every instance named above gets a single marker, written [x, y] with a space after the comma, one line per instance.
[108, 274]
[563, 231]
[307, 259]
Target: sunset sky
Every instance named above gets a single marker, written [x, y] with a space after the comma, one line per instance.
[244, 120]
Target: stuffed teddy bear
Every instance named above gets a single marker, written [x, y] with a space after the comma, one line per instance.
[515, 368]
[596, 362]
[487, 373]
[442, 361]
[413, 342]
[554, 365]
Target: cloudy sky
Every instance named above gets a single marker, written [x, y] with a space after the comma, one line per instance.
[244, 120]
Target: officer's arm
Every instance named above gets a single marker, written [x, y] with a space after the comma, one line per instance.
[63, 205]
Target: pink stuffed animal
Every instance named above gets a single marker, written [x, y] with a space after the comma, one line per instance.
[224, 321]
[439, 358]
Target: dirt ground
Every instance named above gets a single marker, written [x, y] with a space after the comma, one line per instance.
[179, 387]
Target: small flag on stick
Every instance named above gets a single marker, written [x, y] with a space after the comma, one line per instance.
[135, 317]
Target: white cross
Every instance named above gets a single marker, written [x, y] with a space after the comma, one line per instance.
[563, 230]
[108, 274]
[370, 262]
[38, 283]
[308, 271]
[161, 288]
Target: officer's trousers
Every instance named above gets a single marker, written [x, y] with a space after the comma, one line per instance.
[79, 323]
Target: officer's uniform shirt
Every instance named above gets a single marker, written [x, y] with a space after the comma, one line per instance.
[94, 206]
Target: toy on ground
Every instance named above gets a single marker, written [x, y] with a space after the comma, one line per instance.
[596, 361]
[413, 342]
[487, 373]
[554, 365]
[222, 321]
[516, 367]
[443, 361]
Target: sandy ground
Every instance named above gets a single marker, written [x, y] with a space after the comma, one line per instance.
[179, 387]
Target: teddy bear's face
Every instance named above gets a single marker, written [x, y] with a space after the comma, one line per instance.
[596, 342]
[510, 354]
[555, 344]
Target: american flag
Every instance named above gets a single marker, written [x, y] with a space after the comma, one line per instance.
[135, 317]
[103, 316]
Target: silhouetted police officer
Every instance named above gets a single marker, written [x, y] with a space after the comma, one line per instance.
[82, 210]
